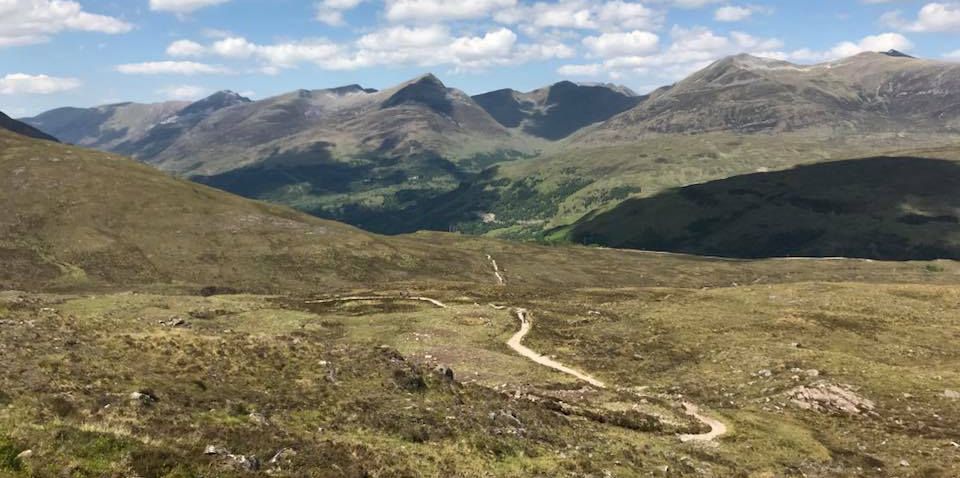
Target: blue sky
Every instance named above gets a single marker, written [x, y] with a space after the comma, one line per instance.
[88, 52]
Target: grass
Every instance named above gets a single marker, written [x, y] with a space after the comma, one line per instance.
[351, 387]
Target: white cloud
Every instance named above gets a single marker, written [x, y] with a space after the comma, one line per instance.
[732, 13]
[582, 15]
[690, 50]
[185, 48]
[170, 68]
[278, 55]
[422, 46]
[331, 11]
[440, 10]
[182, 6]
[26, 22]
[592, 69]
[21, 83]
[933, 17]
[494, 44]
[405, 37]
[622, 44]
[183, 92]
[954, 55]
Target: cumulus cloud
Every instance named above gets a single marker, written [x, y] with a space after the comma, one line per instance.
[583, 15]
[331, 11]
[441, 10]
[428, 45]
[590, 70]
[185, 48]
[689, 49]
[933, 17]
[182, 6]
[170, 68]
[732, 13]
[183, 92]
[622, 44]
[26, 22]
[22, 83]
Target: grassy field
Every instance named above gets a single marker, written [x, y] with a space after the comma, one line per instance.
[138, 383]
[152, 327]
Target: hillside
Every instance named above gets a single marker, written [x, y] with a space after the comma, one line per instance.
[559, 110]
[77, 218]
[18, 127]
[878, 208]
[139, 342]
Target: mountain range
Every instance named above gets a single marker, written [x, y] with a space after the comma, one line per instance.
[525, 165]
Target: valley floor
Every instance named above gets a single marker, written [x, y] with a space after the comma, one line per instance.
[839, 377]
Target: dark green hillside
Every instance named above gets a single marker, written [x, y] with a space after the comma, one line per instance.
[879, 208]
[11, 124]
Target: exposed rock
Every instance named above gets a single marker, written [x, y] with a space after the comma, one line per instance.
[445, 372]
[953, 394]
[144, 397]
[830, 398]
[765, 373]
[812, 373]
[215, 450]
[247, 463]
[281, 455]
[258, 419]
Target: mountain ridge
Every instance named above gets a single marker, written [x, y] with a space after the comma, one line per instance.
[22, 128]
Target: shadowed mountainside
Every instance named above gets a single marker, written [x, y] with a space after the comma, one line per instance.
[878, 208]
[18, 127]
[559, 110]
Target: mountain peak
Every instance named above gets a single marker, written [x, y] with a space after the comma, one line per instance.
[350, 90]
[219, 100]
[896, 54]
[426, 90]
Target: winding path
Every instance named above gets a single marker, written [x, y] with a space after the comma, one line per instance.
[717, 428]
[378, 297]
[496, 271]
[516, 343]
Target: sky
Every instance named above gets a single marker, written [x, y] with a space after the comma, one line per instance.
[84, 53]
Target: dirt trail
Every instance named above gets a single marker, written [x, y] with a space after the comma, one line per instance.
[516, 343]
[717, 428]
[496, 271]
[375, 297]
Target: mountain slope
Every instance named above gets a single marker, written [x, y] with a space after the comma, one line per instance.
[420, 117]
[878, 208]
[162, 135]
[557, 111]
[870, 92]
[73, 217]
[104, 127]
[740, 115]
[18, 127]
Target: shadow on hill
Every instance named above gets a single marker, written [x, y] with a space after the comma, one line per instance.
[878, 208]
